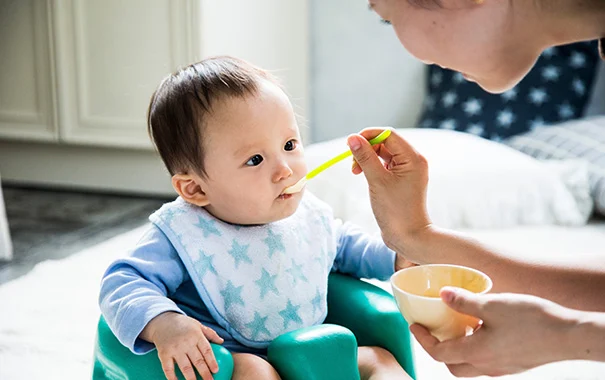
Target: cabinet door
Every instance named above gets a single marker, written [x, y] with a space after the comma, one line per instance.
[111, 55]
[26, 96]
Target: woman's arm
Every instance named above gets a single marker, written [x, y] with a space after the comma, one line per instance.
[398, 195]
[519, 332]
[575, 284]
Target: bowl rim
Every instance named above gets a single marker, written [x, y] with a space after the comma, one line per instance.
[476, 271]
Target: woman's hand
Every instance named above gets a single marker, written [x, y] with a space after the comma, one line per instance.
[519, 332]
[397, 185]
[183, 340]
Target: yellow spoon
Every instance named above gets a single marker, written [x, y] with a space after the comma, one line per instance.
[298, 186]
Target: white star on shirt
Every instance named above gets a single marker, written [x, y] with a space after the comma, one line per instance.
[449, 98]
[578, 86]
[476, 129]
[509, 95]
[577, 60]
[429, 102]
[551, 73]
[538, 96]
[566, 111]
[472, 107]
[548, 53]
[448, 124]
[536, 123]
[458, 78]
[436, 78]
[505, 118]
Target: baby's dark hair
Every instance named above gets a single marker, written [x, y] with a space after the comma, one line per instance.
[179, 107]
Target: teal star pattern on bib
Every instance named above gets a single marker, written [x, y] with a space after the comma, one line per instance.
[274, 243]
[258, 281]
[266, 282]
[239, 253]
[232, 295]
[325, 222]
[172, 213]
[317, 301]
[258, 325]
[290, 314]
[297, 272]
[204, 264]
[207, 225]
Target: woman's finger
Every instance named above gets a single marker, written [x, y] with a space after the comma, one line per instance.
[366, 157]
[464, 370]
[449, 352]
[396, 144]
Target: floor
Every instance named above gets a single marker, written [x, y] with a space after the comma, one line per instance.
[53, 224]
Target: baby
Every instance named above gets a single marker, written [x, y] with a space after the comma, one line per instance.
[233, 260]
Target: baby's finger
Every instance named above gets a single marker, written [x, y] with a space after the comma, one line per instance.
[208, 354]
[168, 367]
[185, 365]
[195, 356]
[211, 335]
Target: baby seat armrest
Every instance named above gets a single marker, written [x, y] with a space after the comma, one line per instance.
[315, 353]
[372, 315]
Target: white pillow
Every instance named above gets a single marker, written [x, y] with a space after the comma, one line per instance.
[473, 183]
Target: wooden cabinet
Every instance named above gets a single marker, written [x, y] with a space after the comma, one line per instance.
[27, 109]
[76, 76]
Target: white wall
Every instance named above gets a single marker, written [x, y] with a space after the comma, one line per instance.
[360, 74]
[272, 34]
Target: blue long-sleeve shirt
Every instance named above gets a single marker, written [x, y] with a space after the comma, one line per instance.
[152, 280]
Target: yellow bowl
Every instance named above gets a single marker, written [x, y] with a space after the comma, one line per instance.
[416, 291]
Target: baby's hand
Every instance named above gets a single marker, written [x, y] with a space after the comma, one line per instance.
[183, 340]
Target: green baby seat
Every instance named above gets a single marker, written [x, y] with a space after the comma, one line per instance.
[359, 313]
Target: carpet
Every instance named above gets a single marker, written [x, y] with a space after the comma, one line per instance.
[53, 224]
[48, 320]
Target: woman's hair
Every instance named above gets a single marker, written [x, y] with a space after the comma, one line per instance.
[179, 107]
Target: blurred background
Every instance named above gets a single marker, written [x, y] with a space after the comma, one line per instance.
[79, 175]
[77, 77]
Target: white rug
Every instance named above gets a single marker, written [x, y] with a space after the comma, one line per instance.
[48, 320]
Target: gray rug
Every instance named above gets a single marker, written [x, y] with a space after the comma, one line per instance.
[47, 224]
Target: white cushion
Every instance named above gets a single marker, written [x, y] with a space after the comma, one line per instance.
[582, 139]
[473, 183]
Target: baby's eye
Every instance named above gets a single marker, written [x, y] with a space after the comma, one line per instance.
[290, 145]
[387, 22]
[255, 160]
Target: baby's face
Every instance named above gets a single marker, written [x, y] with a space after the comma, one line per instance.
[253, 151]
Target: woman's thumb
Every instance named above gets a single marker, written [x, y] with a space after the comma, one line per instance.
[364, 154]
[463, 301]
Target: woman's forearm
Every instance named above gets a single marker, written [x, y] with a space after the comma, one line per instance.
[574, 284]
[587, 340]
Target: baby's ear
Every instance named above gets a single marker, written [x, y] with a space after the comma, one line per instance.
[190, 189]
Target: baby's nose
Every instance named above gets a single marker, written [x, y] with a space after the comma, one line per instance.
[283, 172]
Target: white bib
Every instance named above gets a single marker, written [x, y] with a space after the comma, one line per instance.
[258, 282]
